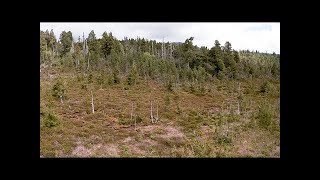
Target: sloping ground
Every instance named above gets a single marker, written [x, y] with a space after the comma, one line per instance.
[190, 125]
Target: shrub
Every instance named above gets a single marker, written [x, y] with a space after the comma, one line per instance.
[51, 120]
[113, 79]
[193, 88]
[80, 78]
[116, 79]
[131, 80]
[202, 90]
[90, 78]
[48, 119]
[167, 100]
[221, 75]
[84, 86]
[266, 87]
[124, 121]
[133, 75]
[170, 86]
[138, 119]
[179, 110]
[224, 140]
[58, 89]
[233, 118]
[100, 79]
[264, 116]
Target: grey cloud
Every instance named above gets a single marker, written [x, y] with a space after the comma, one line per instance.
[262, 27]
[241, 35]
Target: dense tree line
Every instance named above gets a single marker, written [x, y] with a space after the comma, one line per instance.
[149, 59]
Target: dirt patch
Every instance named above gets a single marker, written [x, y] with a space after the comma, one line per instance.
[206, 130]
[256, 144]
[108, 150]
[126, 140]
[275, 152]
[214, 110]
[135, 150]
[172, 132]
[81, 151]
[149, 142]
[150, 128]
[244, 149]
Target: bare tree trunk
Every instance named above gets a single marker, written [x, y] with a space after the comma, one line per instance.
[131, 111]
[238, 112]
[92, 102]
[151, 116]
[164, 50]
[152, 48]
[162, 47]
[88, 63]
[170, 50]
[157, 118]
[61, 100]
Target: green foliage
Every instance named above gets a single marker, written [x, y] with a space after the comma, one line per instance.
[90, 78]
[114, 78]
[236, 56]
[265, 115]
[221, 75]
[170, 86]
[266, 87]
[138, 119]
[101, 79]
[47, 118]
[125, 121]
[66, 41]
[42, 43]
[232, 118]
[51, 121]
[222, 140]
[92, 42]
[133, 75]
[107, 43]
[189, 62]
[167, 100]
[58, 89]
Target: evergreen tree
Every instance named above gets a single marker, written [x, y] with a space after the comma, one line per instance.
[66, 40]
[106, 44]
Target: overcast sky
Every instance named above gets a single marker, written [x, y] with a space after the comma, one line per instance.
[264, 37]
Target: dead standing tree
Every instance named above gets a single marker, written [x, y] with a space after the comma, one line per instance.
[162, 49]
[135, 119]
[85, 50]
[72, 51]
[154, 119]
[152, 51]
[157, 118]
[170, 50]
[151, 116]
[92, 104]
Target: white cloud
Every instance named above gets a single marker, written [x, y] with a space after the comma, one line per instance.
[253, 36]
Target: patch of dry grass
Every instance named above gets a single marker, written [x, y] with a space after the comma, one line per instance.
[190, 125]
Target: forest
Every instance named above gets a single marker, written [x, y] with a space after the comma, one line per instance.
[106, 97]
